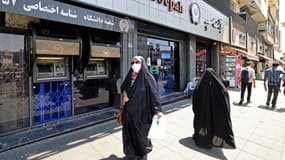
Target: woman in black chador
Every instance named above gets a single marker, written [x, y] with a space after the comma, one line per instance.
[211, 107]
[140, 99]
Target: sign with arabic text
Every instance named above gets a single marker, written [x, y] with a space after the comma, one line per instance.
[61, 12]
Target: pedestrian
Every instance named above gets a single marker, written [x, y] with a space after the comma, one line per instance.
[247, 81]
[272, 83]
[141, 101]
[191, 86]
[211, 107]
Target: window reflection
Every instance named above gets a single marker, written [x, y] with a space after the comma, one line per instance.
[14, 112]
[160, 55]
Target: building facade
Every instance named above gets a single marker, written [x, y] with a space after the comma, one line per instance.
[254, 35]
[65, 61]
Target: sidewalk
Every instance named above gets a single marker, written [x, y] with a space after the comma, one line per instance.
[259, 135]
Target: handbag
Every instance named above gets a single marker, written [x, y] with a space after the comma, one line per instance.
[120, 116]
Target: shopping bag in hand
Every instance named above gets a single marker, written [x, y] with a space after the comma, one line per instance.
[158, 128]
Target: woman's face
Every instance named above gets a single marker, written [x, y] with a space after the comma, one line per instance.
[136, 65]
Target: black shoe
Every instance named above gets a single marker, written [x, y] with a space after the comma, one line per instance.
[248, 101]
[240, 102]
[273, 107]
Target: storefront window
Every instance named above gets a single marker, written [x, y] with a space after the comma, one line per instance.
[202, 58]
[97, 91]
[14, 94]
[160, 55]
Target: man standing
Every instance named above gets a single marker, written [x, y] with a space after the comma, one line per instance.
[272, 77]
[247, 80]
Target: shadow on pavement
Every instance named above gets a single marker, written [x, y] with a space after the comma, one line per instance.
[56, 145]
[112, 157]
[242, 105]
[214, 152]
[264, 107]
[281, 110]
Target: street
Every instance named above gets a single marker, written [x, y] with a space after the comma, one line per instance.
[259, 135]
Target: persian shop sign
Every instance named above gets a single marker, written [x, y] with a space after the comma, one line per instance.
[172, 6]
[61, 12]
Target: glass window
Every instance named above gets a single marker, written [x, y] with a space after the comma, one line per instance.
[202, 58]
[100, 87]
[14, 94]
[160, 55]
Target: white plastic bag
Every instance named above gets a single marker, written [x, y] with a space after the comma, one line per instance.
[158, 128]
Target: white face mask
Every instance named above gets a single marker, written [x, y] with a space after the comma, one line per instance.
[136, 67]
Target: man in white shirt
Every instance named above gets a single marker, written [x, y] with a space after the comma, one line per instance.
[247, 80]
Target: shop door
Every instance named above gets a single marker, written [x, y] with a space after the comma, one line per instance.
[14, 93]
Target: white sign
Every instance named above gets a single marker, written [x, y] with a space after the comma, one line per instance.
[238, 38]
[251, 45]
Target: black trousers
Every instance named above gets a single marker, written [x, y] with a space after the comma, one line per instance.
[275, 90]
[243, 87]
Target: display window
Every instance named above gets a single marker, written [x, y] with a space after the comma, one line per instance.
[14, 92]
[202, 58]
[160, 56]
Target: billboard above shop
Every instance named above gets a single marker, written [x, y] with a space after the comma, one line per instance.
[238, 38]
[251, 45]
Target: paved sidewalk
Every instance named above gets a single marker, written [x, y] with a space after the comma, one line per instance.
[259, 134]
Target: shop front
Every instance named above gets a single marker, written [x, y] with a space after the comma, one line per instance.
[58, 62]
[232, 57]
[69, 61]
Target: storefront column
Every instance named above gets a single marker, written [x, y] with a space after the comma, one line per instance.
[215, 62]
[191, 59]
[129, 50]
[216, 58]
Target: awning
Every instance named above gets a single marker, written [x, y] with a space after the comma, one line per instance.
[265, 57]
[231, 50]
[238, 50]
[244, 53]
[252, 57]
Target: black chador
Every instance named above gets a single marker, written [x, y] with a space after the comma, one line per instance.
[143, 104]
[211, 107]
